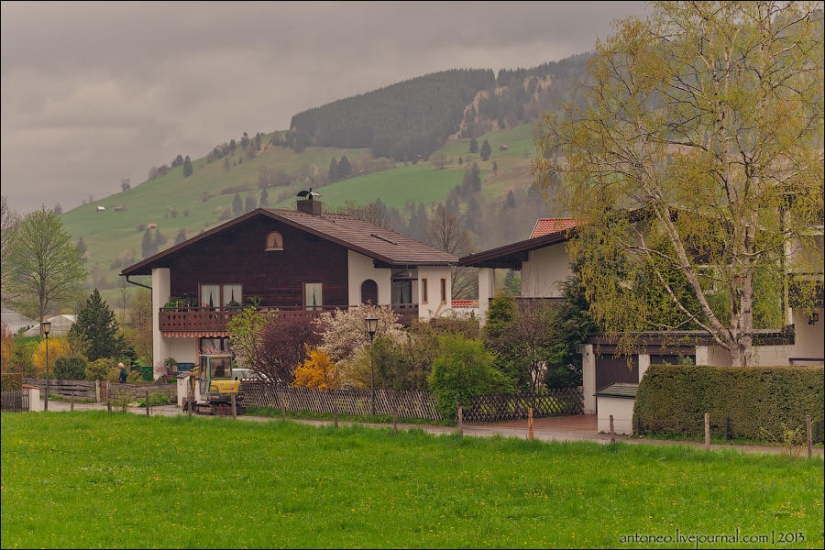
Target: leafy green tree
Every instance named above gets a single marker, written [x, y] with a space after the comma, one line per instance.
[244, 330]
[82, 250]
[42, 263]
[187, 167]
[9, 222]
[70, 367]
[486, 150]
[463, 370]
[96, 330]
[708, 118]
[473, 145]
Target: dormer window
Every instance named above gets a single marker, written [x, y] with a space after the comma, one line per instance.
[274, 241]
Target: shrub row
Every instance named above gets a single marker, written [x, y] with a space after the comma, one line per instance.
[673, 400]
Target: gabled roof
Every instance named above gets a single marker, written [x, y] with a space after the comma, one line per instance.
[545, 226]
[511, 256]
[382, 245]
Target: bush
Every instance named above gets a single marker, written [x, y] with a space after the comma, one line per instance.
[758, 400]
[104, 368]
[463, 370]
[70, 367]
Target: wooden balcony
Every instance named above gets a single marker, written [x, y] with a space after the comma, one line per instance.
[206, 321]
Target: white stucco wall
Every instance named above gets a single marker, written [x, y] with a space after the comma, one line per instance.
[434, 307]
[622, 410]
[359, 269]
[161, 289]
[543, 271]
[810, 339]
[589, 378]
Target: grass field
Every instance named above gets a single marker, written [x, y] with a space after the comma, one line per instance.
[93, 479]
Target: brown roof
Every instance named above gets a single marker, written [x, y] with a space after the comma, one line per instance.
[375, 242]
[511, 256]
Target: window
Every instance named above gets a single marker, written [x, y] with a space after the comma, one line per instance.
[443, 291]
[313, 296]
[221, 296]
[274, 241]
[423, 291]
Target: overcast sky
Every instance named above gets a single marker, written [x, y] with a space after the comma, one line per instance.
[96, 92]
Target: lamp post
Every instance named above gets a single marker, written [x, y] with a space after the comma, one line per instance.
[372, 326]
[47, 327]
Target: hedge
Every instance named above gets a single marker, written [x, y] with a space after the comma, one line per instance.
[673, 400]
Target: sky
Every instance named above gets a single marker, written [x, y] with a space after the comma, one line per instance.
[97, 92]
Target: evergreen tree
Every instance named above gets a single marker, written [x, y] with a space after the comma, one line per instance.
[237, 205]
[187, 167]
[332, 175]
[147, 246]
[96, 330]
[81, 250]
[486, 150]
[344, 168]
[181, 236]
[495, 168]
[249, 204]
[473, 146]
[263, 201]
[160, 240]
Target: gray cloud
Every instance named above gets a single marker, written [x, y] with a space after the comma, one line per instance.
[94, 92]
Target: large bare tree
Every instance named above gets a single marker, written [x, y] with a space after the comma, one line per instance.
[707, 116]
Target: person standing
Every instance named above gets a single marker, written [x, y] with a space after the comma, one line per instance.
[123, 373]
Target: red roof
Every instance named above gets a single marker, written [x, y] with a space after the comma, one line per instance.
[545, 226]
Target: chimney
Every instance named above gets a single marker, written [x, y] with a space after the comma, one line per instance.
[308, 202]
[309, 206]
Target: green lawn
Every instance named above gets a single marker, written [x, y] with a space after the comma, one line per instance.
[94, 479]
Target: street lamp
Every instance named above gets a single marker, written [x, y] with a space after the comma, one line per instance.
[47, 327]
[372, 326]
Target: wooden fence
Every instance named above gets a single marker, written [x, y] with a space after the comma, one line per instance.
[409, 404]
[89, 389]
[14, 400]
[413, 404]
[551, 402]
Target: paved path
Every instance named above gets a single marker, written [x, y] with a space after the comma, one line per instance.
[567, 428]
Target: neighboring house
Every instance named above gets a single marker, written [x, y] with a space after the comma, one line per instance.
[60, 326]
[13, 322]
[300, 262]
[544, 264]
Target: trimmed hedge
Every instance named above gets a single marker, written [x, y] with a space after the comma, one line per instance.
[673, 400]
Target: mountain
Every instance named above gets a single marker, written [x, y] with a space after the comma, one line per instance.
[345, 151]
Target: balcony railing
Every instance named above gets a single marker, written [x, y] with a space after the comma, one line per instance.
[188, 321]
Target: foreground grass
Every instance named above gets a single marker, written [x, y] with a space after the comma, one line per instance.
[92, 479]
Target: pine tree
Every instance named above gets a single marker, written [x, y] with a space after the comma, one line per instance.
[332, 175]
[486, 150]
[263, 201]
[249, 204]
[344, 168]
[237, 205]
[473, 146]
[187, 167]
[147, 246]
[181, 236]
[96, 330]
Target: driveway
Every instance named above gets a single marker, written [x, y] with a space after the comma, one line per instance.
[564, 428]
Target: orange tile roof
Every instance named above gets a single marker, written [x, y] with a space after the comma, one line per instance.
[545, 226]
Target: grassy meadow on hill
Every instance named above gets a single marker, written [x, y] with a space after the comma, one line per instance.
[194, 204]
[93, 479]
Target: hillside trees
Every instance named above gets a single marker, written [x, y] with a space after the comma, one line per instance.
[486, 150]
[42, 263]
[187, 167]
[708, 117]
[9, 220]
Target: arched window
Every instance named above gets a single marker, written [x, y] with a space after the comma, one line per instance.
[274, 241]
[369, 292]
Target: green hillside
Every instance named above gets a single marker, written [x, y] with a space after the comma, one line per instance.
[113, 238]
